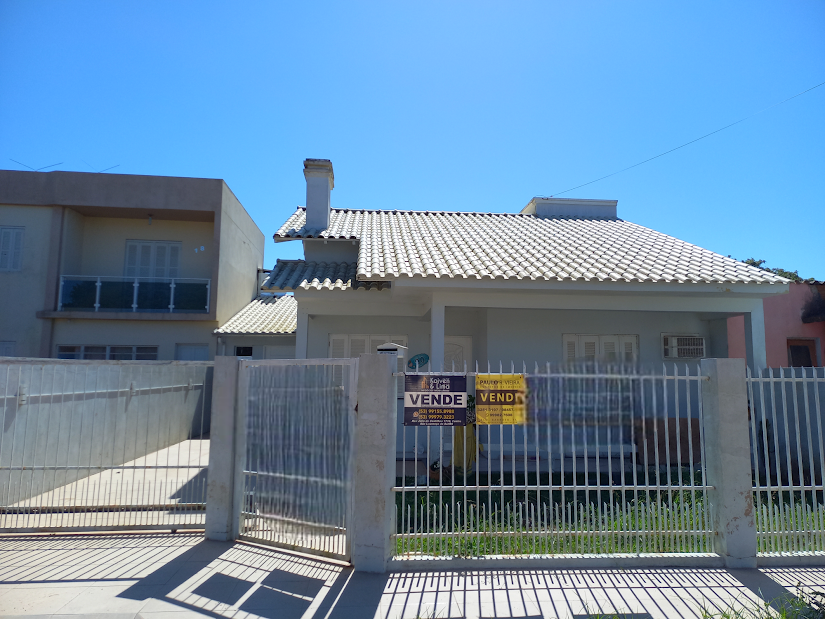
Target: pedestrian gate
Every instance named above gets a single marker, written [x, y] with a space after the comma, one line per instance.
[297, 475]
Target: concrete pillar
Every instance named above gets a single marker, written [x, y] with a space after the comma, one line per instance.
[728, 454]
[373, 514]
[221, 480]
[755, 347]
[437, 337]
[301, 334]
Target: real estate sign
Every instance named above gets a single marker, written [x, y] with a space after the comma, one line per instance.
[435, 400]
[500, 398]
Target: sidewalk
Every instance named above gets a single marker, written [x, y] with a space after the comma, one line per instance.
[165, 576]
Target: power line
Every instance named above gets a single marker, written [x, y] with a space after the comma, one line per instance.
[635, 165]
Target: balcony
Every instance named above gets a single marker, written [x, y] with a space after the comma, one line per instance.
[140, 294]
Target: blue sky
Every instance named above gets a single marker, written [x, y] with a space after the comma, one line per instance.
[441, 106]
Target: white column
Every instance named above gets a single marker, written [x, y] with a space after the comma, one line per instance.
[373, 508]
[728, 455]
[301, 334]
[436, 336]
[755, 347]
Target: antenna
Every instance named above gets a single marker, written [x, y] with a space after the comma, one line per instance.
[32, 169]
[99, 171]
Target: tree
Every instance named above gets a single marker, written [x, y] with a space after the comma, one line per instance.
[791, 275]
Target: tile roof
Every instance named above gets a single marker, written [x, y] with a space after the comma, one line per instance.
[395, 244]
[265, 315]
[294, 274]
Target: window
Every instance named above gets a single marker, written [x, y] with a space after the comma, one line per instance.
[6, 349]
[154, 259]
[802, 353]
[610, 348]
[243, 351]
[111, 353]
[192, 352]
[11, 248]
[349, 346]
[683, 346]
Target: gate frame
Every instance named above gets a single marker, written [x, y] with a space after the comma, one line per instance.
[227, 456]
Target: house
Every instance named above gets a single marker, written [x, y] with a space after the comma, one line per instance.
[112, 266]
[560, 279]
[794, 327]
[263, 329]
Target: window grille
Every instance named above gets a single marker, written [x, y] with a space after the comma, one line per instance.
[683, 346]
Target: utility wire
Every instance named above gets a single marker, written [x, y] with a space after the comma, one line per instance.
[689, 143]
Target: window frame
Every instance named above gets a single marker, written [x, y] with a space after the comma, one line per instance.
[15, 248]
[580, 342]
[83, 351]
[169, 271]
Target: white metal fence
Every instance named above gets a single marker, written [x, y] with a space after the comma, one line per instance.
[297, 476]
[103, 445]
[609, 460]
[788, 458]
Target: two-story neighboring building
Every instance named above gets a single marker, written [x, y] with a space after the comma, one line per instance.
[111, 266]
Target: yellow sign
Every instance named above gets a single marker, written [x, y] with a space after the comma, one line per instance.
[500, 398]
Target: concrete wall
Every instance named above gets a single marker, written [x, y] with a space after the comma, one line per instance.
[22, 293]
[782, 322]
[71, 246]
[241, 255]
[100, 414]
[104, 244]
[163, 334]
[263, 346]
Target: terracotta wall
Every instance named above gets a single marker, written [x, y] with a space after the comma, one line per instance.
[782, 322]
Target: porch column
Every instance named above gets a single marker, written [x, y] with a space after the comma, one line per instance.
[301, 333]
[755, 349]
[437, 337]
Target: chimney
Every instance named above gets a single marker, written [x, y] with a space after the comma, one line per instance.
[320, 182]
[551, 208]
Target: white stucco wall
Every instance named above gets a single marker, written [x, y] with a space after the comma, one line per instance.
[535, 336]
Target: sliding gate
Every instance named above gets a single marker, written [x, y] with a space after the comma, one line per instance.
[297, 475]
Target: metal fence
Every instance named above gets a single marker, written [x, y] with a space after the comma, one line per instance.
[103, 445]
[297, 477]
[610, 459]
[788, 458]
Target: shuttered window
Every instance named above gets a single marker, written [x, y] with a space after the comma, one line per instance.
[152, 259]
[608, 348]
[11, 248]
[343, 346]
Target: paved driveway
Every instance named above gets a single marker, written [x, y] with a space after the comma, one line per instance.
[175, 576]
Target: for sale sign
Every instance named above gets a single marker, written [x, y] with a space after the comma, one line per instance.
[500, 399]
[435, 400]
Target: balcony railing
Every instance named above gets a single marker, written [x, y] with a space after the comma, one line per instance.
[138, 294]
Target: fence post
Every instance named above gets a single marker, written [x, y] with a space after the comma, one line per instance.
[220, 485]
[728, 453]
[373, 511]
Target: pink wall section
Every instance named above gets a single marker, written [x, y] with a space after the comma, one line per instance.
[782, 322]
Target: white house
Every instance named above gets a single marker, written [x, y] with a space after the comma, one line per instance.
[561, 279]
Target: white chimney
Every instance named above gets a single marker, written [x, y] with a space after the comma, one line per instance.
[320, 182]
